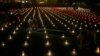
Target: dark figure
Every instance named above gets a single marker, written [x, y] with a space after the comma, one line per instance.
[32, 24]
[87, 43]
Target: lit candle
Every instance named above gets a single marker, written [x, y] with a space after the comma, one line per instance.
[73, 31]
[9, 23]
[86, 25]
[17, 28]
[10, 38]
[66, 42]
[2, 28]
[97, 30]
[74, 52]
[72, 23]
[45, 32]
[53, 25]
[29, 32]
[47, 43]
[20, 23]
[27, 37]
[25, 44]
[68, 28]
[3, 44]
[46, 37]
[6, 26]
[98, 50]
[63, 36]
[65, 25]
[49, 53]
[95, 25]
[75, 25]
[80, 28]
[23, 53]
[14, 32]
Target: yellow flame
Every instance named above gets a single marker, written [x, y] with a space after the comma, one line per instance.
[23, 53]
[74, 52]
[47, 43]
[14, 32]
[49, 53]
[66, 42]
[98, 50]
[25, 44]
[63, 36]
[3, 44]
[10, 37]
[2, 28]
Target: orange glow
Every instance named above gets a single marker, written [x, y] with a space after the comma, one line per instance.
[74, 52]
[98, 50]
[47, 43]
[3, 44]
[23, 53]
[49, 53]
[66, 42]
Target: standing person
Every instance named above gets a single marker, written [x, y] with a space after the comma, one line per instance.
[30, 23]
[35, 24]
[87, 43]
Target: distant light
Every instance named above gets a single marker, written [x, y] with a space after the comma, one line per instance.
[53, 25]
[17, 28]
[75, 25]
[90, 23]
[26, 1]
[14, 32]
[63, 36]
[45, 32]
[74, 52]
[13, 21]
[29, 32]
[95, 25]
[42, 2]
[10, 37]
[44, 28]
[79, 8]
[86, 25]
[62, 8]
[73, 3]
[23, 1]
[11, 13]
[3, 44]
[65, 25]
[73, 31]
[25, 44]
[47, 43]
[20, 23]
[97, 30]
[68, 28]
[9, 23]
[98, 4]
[6, 26]
[72, 23]
[46, 36]
[27, 37]
[80, 28]
[2, 29]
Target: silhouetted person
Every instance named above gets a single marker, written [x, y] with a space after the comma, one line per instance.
[87, 43]
[32, 24]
